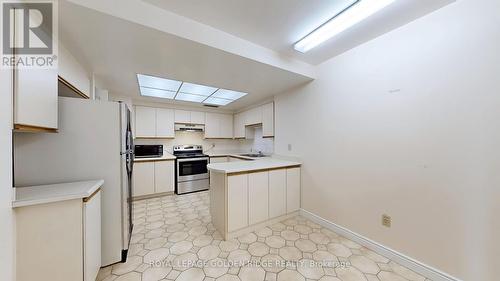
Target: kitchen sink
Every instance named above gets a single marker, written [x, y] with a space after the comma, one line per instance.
[253, 155]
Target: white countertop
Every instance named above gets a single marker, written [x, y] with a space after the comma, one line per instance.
[166, 156]
[249, 166]
[232, 154]
[42, 194]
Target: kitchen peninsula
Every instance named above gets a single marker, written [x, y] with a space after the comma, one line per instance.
[248, 195]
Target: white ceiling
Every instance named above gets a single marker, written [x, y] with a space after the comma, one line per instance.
[240, 45]
[278, 24]
[115, 50]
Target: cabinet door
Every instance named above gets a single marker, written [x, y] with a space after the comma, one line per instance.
[226, 126]
[35, 98]
[164, 176]
[92, 237]
[165, 123]
[258, 197]
[145, 122]
[144, 178]
[219, 159]
[212, 125]
[254, 116]
[277, 193]
[268, 120]
[197, 117]
[239, 126]
[237, 202]
[292, 189]
[182, 116]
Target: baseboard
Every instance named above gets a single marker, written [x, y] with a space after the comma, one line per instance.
[419, 267]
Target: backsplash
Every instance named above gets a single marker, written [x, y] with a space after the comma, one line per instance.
[266, 145]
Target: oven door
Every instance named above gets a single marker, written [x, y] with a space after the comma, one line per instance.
[190, 169]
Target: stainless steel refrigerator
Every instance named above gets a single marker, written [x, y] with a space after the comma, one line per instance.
[94, 142]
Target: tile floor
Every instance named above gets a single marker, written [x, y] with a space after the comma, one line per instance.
[174, 239]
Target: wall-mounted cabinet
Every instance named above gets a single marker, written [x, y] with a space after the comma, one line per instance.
[189, 117]
[262, 115]
[35, 100]
[218, 126]
[154, 122]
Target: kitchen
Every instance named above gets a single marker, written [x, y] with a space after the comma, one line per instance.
[261, 140]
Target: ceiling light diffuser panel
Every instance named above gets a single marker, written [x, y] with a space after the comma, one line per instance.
[217, 101]
[228, 94]
[156, 93]
[195, 89]
[189, 97]
[352, 15]
[157, 87]
[158, 83]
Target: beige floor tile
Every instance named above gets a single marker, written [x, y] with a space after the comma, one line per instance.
[131, 264]
[192, 274]
[310, 269]
[290, 253]
[157, 255]
[390, 276]
[208, 252]
[131, 276]
[350, 274]
[305, 245]
[290, 275]
[228, 277]
[252, 274]
[155, 273]
[275, 241]
[258, 249]
[364, 264]
[405, 272]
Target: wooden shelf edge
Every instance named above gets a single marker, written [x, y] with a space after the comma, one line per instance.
[33, 129]
[73, 88]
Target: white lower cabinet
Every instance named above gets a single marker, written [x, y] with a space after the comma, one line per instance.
[153, 177]
[92, 237]
[258, 197]
[219, 159]
[143, 178]
[164, 176]
[292, 189]
[59, 241]
[237, 205]
[277, 193]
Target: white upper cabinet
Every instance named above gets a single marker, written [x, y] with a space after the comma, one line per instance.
[73, 73]
[145, 122]
[226, 126]
[165, 123]
[197, 117]
[260, 115]
[35, 99]
[218, 126]
[189, 117]
[239, 126]
[182, 116]
[254, 116]
[268, 120]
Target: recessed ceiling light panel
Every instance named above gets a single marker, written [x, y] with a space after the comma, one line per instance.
[158, 83]
[195, 89]
[352, 15]
[217, 101]
[156, 93]
[228, 94]
[189, 97]
[157, 87]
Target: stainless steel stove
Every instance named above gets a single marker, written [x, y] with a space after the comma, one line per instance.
[191, 169]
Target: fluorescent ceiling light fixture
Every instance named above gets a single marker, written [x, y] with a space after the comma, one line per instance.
[195, 89]
[157, 87]
[189, 97]
[228, 94]
[347, 18]
[158, 83]
[217, 101]
[157, 93]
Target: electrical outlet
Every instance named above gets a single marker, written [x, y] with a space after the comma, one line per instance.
[386, 220]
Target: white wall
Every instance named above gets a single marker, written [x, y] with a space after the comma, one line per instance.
[73, 71]
[7, 227]
[409, 125]
[258, 143]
